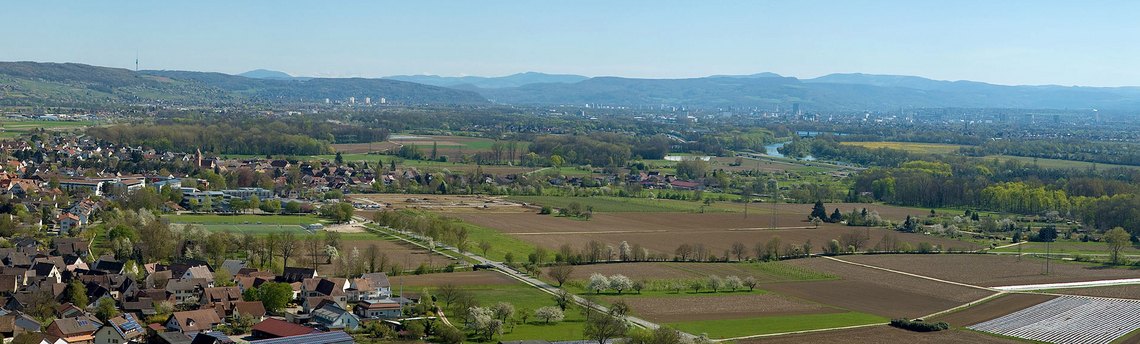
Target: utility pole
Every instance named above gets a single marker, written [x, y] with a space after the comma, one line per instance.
[1048, 255]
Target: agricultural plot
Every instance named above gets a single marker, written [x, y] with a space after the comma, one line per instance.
[607, 204]
[10, 128]
[991, 309]
[1069, 248]
[719, 306]
[912, 147]
[883, 334]
[732, 328]
[994, 270]
[875, 291]
[1069, 319]
[1117, 291]
[402, 255]
[466, 278]
[664, 232]
[772, 272]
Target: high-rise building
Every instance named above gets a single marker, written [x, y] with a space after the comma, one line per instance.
[368, 100]
[352, 100]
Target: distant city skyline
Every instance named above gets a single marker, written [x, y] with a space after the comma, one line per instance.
[1004, 42]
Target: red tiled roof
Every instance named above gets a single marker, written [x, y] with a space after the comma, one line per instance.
[280, 328]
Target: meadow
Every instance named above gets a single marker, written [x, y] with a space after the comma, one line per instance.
[13, 128]
[912, 147]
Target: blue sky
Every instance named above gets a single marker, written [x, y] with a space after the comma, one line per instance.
[1090, 43]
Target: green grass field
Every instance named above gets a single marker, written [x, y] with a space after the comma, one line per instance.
[608, 204]
[731, 328]
[501, 244]
[526, 297]
[1057, 163]
[12, 128]
[255, 224]
[912, 147]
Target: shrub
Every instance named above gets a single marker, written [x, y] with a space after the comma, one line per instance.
[919, 326]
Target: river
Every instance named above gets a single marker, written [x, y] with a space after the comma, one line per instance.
[773, 150]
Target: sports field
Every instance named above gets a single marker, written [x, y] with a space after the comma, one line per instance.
[255, 224]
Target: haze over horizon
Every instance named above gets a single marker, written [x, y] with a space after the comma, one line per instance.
[1008, 43]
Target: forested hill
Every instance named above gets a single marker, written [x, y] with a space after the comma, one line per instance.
[56, 84]
[837, 92]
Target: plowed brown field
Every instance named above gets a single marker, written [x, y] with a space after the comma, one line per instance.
[663, 232]
[993, 270]
[992, 309]
[884, 334]
[665, 309]
[875, 291]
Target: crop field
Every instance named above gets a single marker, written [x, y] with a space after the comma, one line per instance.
[399, 253]
[884, 334]
[912, 147]
[606, 204]
[1069, 319]
[664, 232]
[770, 272]
[731, 328]
[1117, 291]
[466, 278]
[720, 306]
[1069, 248]
[13, 128]
[365, 148]
[991, 309]
[876, 292]
[993, 270]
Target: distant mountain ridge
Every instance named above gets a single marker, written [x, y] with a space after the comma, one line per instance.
[513, 80]
[33, 83]
[267, 74]
[834, 92]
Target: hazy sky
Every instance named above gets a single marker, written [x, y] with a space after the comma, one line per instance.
[1092, 43]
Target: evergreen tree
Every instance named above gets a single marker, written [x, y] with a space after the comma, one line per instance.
[836, 216]
[818, 211]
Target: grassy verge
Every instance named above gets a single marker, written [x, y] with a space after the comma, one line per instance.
[501, 243]
[731, 328]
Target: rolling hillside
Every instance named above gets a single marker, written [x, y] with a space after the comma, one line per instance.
[65, 84]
